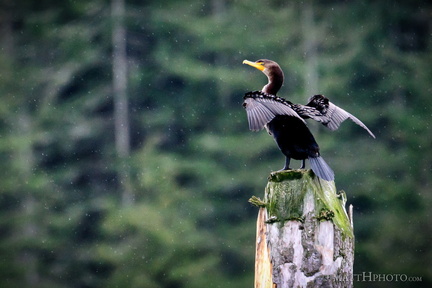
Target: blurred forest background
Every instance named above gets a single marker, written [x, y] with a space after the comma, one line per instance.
[126, 155]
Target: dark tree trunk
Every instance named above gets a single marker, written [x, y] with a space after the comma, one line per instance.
[121, 117]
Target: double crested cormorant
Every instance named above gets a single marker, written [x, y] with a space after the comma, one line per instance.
[285, 120]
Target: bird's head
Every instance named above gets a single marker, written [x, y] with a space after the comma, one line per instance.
[273, 72]
[264, 65]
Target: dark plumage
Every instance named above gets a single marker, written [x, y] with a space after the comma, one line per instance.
[285, 120]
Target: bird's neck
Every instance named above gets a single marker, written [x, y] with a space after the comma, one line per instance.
[275, 81]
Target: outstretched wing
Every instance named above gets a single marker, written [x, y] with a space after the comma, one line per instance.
[322, 110]
[261, 108]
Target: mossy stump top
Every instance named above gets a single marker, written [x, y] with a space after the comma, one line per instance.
[286, 194]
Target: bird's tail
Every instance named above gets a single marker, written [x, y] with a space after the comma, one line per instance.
[321, 169]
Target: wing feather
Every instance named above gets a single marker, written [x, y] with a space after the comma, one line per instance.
[261, 110]
[322, 110]
[339, 115]
[258, 115]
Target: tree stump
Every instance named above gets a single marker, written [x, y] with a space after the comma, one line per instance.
[304, 235]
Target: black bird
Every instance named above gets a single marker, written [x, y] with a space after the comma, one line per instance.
[285, 120]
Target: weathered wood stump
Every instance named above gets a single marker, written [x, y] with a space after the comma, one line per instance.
[304, 235]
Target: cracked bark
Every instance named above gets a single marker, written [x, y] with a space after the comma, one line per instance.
[304, 235]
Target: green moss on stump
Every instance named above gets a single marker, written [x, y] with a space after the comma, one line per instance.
[288, 192]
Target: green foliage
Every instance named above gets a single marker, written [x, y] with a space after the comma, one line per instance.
[193, 162]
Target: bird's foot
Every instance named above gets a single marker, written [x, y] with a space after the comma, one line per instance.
[284, 169]
[287, 163]
[303, 165]
[273, 175]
